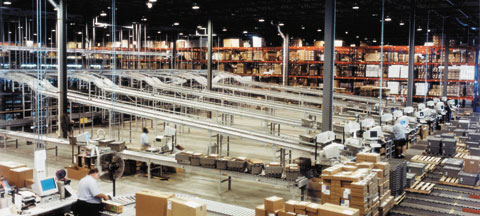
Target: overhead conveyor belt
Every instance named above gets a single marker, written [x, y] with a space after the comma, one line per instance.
[82, 51]
[186, 103]
[50, 91]
[32, 137]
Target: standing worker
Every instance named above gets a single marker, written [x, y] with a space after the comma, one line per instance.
[400, 139]
[89, 196]
[144, 140]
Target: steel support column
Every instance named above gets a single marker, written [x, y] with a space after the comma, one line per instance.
[63, 119]
[476, 99]
[411, 54]
[209, 55]
[174, 54]
[445, 64]
[286, 58]
[327, 105]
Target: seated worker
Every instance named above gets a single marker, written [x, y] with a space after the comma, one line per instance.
[144, 140]
[89, 196]
[4, 184]
[400, 139]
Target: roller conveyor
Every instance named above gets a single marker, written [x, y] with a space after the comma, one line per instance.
[50, 91]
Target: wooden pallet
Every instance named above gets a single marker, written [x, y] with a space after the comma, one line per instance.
[420, 177]
[454, 182]
[426, 159]
[421, 187]
[462, 150]
[400, 198]
[461, 155]
[430, 168]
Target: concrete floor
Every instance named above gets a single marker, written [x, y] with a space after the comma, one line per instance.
[244, 193]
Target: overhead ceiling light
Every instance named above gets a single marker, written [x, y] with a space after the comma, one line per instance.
[9, 32]
[149, 5]
[357, 36]
[108, 35]
[158, 32]
[148, 37]
[346, 32]
[374, 14]
[34, 34]
[365, 38]
[374, 41]
[224, 29]
[53, 30]
[55, 9]
[180, 33]
[303, 27]
[355, 6]
[402, 23]
[72, 24]
[319, 30]
[144, 19]
[199, 26]
[176, 23]
[103, 14]
[245, 32]
[7, 2]
[79, 33]
[152, 0]
[428, 30]
[261, 20]
[388, 19]
[281, 24]
[419, 28]
[195, 6]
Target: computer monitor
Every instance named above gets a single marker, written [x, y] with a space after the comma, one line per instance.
[47, 186]
[373, 134]
[422, 114]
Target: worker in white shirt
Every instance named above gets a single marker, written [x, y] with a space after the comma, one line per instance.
[144, 140]
[89, 195]
[400, 139]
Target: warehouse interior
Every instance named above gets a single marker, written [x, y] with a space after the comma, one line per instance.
[261, 108]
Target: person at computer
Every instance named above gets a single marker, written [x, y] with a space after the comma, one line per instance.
[400, 139]
[89, 195]
[144, 140]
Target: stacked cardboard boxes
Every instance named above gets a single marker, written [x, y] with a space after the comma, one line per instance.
[274, 206]
[363, 185]
[166, 204]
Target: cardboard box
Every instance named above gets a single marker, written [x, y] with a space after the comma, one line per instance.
[260, 211]
[6, 166]
[290, 205]
[302, 205]
[336, 210]
[472, 164]
[313, 207]
[29, 182]
[282, 213]
[19, 175]
[232, 42]
[273, 204]
[113, 207]
[184, 207]
[76, 173]
[152, 203]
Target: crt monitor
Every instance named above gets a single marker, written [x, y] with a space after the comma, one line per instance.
[373, 134]
[422, 114]
[47, 186]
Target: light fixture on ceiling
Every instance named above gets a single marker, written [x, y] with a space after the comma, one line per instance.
[224, 29]
[195, 6]
[149, 5]
[176, 23]
[374, 14]
[374, 41]
[7, 2]
[261, 20]
[319, 30]
[79, 33]
[428, 30]
[180, 33]
[357, 36]
[144, 19]
[401, 23]
[53, 30]
[159, 32]
[152, 0]
[303, 27]
[245, 32]
[388, 19]
[281, 24]
[355, 6]
[346, 32]
[419, 28]
[108, 35]
[103, 14]
[34, 34]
